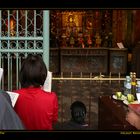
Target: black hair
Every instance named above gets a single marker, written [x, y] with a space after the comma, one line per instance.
[33, 71]
[78, 112]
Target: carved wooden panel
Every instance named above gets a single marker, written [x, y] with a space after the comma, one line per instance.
[84, 60]
[118, 61]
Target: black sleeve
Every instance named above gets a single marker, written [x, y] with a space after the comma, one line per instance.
[6, 95]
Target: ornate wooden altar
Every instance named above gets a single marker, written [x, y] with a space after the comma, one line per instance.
[118, 60]
[89, 60]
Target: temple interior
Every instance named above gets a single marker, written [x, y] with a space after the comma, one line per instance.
[90, 52]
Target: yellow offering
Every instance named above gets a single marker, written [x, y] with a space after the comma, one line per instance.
[118, 95]
[130, 97]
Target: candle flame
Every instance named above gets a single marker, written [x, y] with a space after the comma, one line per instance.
[12, 26]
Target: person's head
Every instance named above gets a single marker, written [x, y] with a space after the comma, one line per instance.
[78, 112]
[33, 71]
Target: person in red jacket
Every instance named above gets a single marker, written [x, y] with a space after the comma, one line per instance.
[37, 108]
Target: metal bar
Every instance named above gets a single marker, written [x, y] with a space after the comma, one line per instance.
[26, 25]
[17, 33]
[17, 55]
[21, 38]
[94, 79]
[11, 76]
[8, 27]
[34, 28]
[26, 29]
[0, 37]
[17, 20]
[46, 31]
[8, 56]
[21, 50]
[8, 63]
[2, 64]
[17, 70]
[19, 67]
[68, 78]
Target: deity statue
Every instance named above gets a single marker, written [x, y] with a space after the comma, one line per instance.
[98, 40]
[71, 26]
[64, 44]
[110, 40]
[81, 40]
[71, 40]
[89, 41]
[89, 26]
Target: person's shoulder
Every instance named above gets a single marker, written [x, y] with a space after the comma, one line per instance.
[1, 97]
[5, 95]
[52, 93]
[17, 91]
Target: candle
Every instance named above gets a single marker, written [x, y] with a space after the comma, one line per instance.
[119, 78]
[110, 77]
[61, 74]
[90, 75]
[81, 74]
[119, 75]
[100, 74]
[71, 74]
[12, 27]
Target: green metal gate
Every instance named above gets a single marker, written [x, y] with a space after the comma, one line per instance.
[21, 32]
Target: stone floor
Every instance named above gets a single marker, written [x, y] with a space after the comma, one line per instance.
[85, 91]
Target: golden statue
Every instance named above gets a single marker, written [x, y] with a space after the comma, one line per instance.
[71, 26]
[98, 40]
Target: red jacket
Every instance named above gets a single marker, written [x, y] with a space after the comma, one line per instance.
[37, 109]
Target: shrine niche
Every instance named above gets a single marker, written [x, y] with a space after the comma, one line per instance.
[81, 28]
[72, 22]
[83, 41]
[71, 28]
